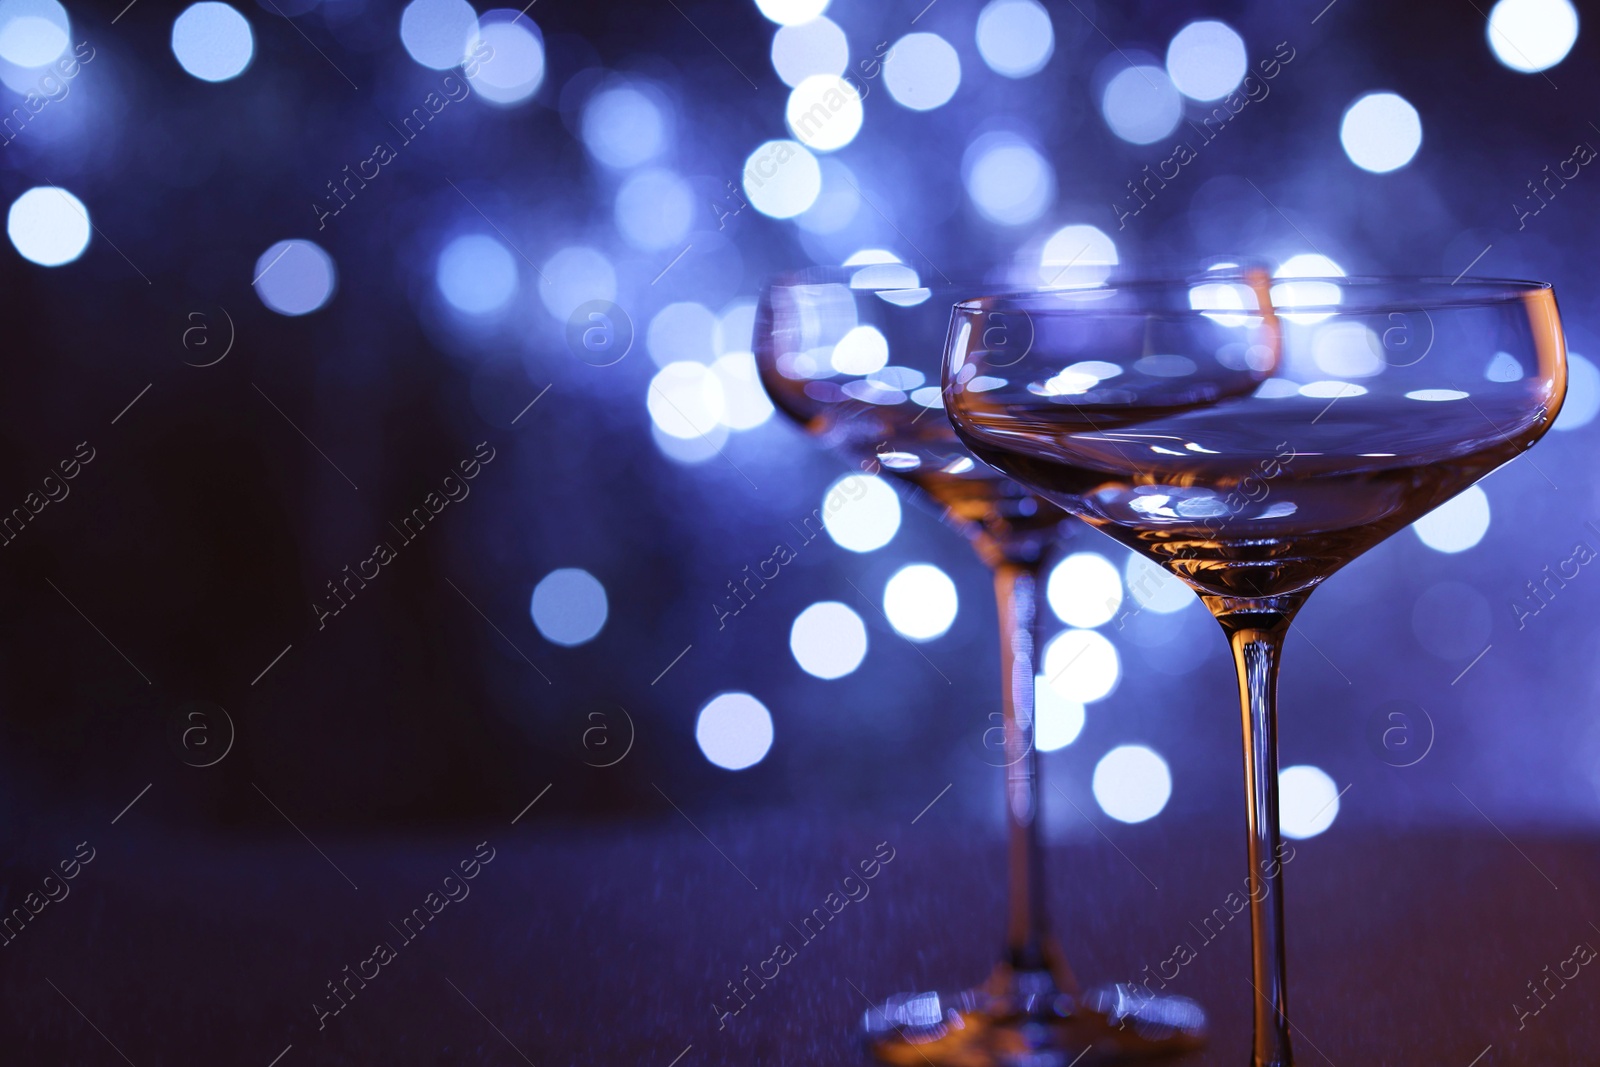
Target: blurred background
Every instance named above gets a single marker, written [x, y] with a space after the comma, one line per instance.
[401, 357]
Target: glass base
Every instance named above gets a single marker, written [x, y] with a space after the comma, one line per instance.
[1017, 1028]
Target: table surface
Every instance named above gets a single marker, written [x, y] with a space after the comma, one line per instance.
[610, 943]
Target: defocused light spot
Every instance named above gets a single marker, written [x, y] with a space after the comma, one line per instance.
[654, 209]
[574, 275]
[477, 274]
[1057, 721]
[1347, 350]
[921, 71]
[1308, 801]
[836, 206]
[861, 351]
[1532, 35]
[1381, 132]
[1452, 621]
[1583, 394]
[1076, 256]
[1008, 180]
[1132, 783]
[1504, 367]
[1141, 106]
[920, 601]
[295, 277]
[682, 331]
[860, 512]
[1015, 37]
[1307, 294]
[212, 41]
[866, 257]
[623, 127]
[1084, 590]
[1206, 60]
[1330, 390]
[515, 70]
[568, 606]
[745, 403]
[1155, 588]
[1437, 396]
[824, 112]
[33, 32]
[1457, 524]
[1081, 666]
[782, 179]
[48, 225]
[791, 12]
[734, 731]
[828, 640]
[685, 400]
[438, 33]
[807, 48]
[690, 450]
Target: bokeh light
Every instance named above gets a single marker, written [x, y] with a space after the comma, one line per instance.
[295, 277]
[48, 226]
[1206, 60]
[1057, 721]
[1532, 35]
[1583, 394]
[862, 350]
[623, 127]
[1457, 524]
[1381, 132]
[744, 402]
[477, 274]
[824, 112]
[1141, 105]
[1076, 256]
[654, 209]
[33, 32]
[438, 33]
[782, 179]
[1009, 182]
[212, 41]
[1084, 590]
[860, 512]
[1081, 666]
[515, 70]
[1308, 801]
[1155, 588]
[685, 400]
[791, 12]
[1132, 783]
[828, 640]
[920, 601]
[808, 48]
[734, 731]
[568, 606]
[574, 275]
[921, 71]
[1015, 37]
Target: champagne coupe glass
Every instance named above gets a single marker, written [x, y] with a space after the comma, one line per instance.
[1253, 437]
[854, 355]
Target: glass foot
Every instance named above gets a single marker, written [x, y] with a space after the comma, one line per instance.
[978, 1028]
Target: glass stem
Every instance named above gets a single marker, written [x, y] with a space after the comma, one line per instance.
[1256, 631]
[1029, 947]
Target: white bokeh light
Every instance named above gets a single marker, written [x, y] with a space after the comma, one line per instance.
[921, 71]
[574, 275]
[862, 350]
[568, 606]
[860, 512]
[1057, 721]
[438, 33]
[295, 277]
[477, 274]
[1141, 105]
[1381, 132]
[920, 601]
[1132, 783]
[1583, 394]
[807, 48]
[1076, 256]
[828, 640]
[1532, 35]
[212, 41]
[33, 33]
[623, 127]
[515, 70]
[782, 179]
[1457, 524]
[1015, 37]
[791, 12]
[1308, 801]
[744, 402]
[1009, 182]
[48, 226]
[1081, 666]
[734, 731]
[1084, 590]
[1155, 588]
[1288, 294]
[682, 331]
[824, 112]
[1206, 60]
[654, 209]
[685, 400]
